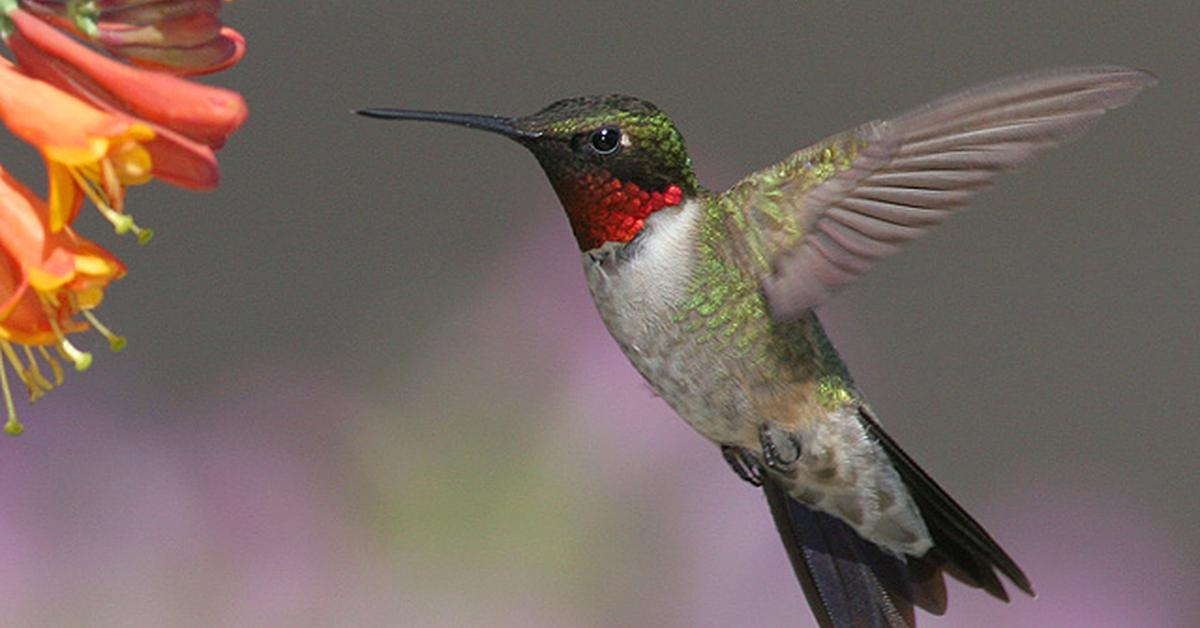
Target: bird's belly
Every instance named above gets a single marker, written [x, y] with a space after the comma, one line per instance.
[726, 397]
[693, 378]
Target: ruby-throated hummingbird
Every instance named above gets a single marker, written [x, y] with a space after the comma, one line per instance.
[711, 297]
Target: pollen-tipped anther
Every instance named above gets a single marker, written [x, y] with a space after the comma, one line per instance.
[12, 426]
[81, 359]
[115, 342]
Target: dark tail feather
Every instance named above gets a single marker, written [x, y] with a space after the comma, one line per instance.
[960, 545]
[849, 581]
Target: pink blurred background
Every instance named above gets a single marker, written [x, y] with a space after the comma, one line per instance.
[366, 385]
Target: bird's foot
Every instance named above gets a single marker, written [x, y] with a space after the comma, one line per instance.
[743, 464]
[780, 449]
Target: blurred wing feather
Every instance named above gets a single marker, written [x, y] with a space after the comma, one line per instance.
[821, 218]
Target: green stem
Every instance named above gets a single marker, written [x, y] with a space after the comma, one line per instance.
[84, 14]
[6, 23]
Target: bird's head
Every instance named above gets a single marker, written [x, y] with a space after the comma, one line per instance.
[613, 160]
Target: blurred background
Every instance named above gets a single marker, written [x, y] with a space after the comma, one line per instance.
[366, 385]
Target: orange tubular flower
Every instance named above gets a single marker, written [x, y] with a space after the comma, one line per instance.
[101, 126]
[184, 37]
[201, 112]
[175, 158]
[189, 119]
[88, 152]
[46, 279]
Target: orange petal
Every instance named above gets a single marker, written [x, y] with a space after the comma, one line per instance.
[173, 157]
[181, 161]
[154, 12]
[182, 31]
[67, 129]
[22, 317]
[22, 229]
[48, 260]
[65, 195]
[215, 55]
[12, 284]
[204, 113]
[27, 322]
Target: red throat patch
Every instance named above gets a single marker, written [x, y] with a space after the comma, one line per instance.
[606, 209]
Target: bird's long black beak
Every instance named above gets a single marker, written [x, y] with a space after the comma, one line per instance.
[495, 124]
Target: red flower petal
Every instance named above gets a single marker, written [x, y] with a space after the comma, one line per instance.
[204, 113]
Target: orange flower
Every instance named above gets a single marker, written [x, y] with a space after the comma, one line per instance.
[184, 37]
[203, 113]
[100, 126]
[47, 278]
[189, 120]
[87, 151]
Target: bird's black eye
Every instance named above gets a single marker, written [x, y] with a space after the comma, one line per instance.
[606, 141]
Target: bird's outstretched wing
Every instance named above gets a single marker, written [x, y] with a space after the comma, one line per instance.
[819, 219]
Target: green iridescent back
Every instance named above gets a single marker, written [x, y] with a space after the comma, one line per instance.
[742, 229]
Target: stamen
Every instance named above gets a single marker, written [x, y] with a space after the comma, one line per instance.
[25, 373]
[132, 163]
[6, 347]
[143, 234]
[36, 373]
[122, 223]
[81, 359]
[55, 367]
[12, 426]
[115, 342]
[111, 184]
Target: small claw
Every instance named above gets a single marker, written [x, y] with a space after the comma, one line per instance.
[768, 436]
[743, 464]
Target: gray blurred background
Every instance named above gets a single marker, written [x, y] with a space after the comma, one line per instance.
[366, 386]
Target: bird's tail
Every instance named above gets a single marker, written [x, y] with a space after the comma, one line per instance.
[848, 580]
[851, 582]
[960, 545]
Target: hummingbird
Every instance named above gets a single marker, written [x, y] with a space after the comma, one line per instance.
[711, 296]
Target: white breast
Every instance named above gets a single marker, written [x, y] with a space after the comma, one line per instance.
[637, 289]
[646, 278]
